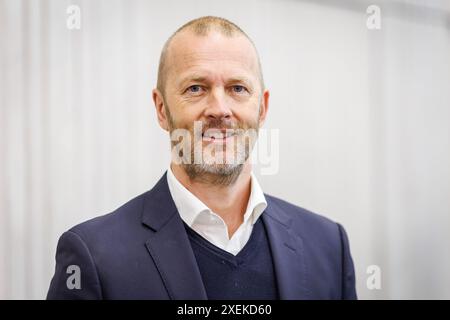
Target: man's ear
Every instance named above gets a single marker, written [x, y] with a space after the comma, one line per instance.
[160, 109]
[264, 107]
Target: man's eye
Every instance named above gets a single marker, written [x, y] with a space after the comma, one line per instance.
[239, 89]
[194, 89]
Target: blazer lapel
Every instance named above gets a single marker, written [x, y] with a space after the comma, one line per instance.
[288, 254]
[169, 245]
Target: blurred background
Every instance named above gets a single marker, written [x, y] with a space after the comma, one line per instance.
[363, 115]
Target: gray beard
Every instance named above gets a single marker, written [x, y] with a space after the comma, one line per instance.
[214, 174]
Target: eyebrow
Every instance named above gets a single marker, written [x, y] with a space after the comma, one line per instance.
[199, 78]
[191, 78]
[245, 80]
[194, 78]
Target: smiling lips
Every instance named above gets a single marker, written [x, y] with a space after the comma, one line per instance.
[217, 135]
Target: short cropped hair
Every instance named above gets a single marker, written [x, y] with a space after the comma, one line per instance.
[201, 27]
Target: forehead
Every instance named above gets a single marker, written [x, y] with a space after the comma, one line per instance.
[213, 53]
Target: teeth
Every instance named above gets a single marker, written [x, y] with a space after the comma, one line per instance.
[218, 134]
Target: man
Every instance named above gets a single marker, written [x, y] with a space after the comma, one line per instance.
[206, 230]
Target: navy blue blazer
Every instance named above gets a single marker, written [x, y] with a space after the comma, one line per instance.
[142, 251]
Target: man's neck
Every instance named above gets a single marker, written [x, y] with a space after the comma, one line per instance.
[229, 202]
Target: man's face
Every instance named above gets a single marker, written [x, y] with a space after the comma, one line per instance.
[213, 80]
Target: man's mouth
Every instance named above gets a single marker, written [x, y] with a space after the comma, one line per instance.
[218, 135]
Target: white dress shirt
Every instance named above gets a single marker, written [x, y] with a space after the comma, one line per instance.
[209, 224]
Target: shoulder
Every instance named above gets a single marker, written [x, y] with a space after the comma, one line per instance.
[120, 222]
[299, 213]
[305, 222]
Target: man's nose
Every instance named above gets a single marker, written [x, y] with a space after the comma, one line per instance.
[218, 107]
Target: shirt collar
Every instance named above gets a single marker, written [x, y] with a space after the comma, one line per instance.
[189, 206]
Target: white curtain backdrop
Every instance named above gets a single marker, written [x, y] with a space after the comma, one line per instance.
[364, 120]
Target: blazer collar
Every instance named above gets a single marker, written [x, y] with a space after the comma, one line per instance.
[159, 207]
[288, 254]
[170, 247]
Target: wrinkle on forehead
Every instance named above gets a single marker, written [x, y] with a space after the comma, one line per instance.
[202, 61]
[231, 56]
